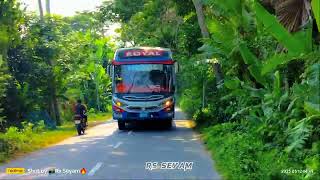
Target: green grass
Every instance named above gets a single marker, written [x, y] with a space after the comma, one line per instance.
[15, 143]
[99, 117]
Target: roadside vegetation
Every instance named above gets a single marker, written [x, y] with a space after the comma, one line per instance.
[47, 63]
[249, 73]
[17, 142]
[249, 77]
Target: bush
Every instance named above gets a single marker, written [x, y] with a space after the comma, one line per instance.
[205, 117]
[189, 106]
[241, 155]
[92, 111]
[19, 140]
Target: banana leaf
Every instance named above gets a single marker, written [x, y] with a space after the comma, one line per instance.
[218, 31]
[253, 62]
[316, 11]
[276, 60]
[248, 57]
[270, 22]
[232, 83]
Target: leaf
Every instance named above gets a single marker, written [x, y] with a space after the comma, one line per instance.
[291, 104]
[99, 44]
[298, 135]
[255, 72]
[293, 44]
[305, 37]
[277, 85]
[316, 11]
[272, 63]
[247, 56]
[218, 31]
[255, 65]
[231, 5]
[311, 108]
[232, 83]
[240, 112]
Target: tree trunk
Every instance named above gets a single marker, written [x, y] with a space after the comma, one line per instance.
[201, 19]
[53, 96]
[53, 102]
[56, 107]
[205, 34]
[40, 10]
[48, 7]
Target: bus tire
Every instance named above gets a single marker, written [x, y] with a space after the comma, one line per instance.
[121, 125]
[168, 123]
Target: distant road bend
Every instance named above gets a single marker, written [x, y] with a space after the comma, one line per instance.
[107, 153]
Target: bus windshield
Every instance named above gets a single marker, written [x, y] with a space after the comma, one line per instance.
[143, 78]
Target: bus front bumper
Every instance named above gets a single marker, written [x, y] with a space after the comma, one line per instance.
[143, 116]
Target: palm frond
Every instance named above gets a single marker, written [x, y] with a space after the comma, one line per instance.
[293, 13]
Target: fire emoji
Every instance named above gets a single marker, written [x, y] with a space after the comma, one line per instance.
[83, 171]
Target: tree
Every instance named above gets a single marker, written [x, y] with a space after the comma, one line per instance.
[205, 34]
[53, 101]
[10, 20]
[3, 87]
[120, 10]
[40, 9]
[48, 7]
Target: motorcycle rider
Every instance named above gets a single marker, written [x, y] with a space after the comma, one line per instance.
[81, 110]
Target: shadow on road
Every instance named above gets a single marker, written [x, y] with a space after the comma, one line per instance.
[149, 126]
[156, 125]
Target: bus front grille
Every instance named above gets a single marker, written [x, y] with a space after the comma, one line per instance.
[135, 108]
[151, 108]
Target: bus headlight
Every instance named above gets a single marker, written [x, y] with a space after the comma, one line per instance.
[168, 103]
[118, 103]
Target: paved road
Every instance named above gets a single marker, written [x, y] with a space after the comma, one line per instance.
[107, 153]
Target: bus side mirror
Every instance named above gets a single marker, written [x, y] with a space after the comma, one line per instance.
[109, 69]
[176, 67]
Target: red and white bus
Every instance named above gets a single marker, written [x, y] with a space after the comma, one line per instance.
[143, 84]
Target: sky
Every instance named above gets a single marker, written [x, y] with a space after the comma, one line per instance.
[68, 8]
[64, 7]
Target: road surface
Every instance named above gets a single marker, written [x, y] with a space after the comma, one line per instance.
[107, 153]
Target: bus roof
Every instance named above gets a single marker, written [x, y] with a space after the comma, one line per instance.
[143, 55]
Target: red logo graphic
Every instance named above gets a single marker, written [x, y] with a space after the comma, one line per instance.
[83, 171]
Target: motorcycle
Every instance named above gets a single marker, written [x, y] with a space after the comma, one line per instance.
[80, 124]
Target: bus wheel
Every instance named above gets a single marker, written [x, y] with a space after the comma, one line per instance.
[121, 125]
[168, 123]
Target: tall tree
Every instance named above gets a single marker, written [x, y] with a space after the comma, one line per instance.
[53, 102]
[40, 9]
[48, 7]
[205, 34]
[55, 112]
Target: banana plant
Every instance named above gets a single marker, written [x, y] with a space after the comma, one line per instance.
[272, 25]
[316, 11]
[297, 44]
[253, 62]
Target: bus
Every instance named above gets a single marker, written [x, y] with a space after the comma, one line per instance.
[143, 85]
